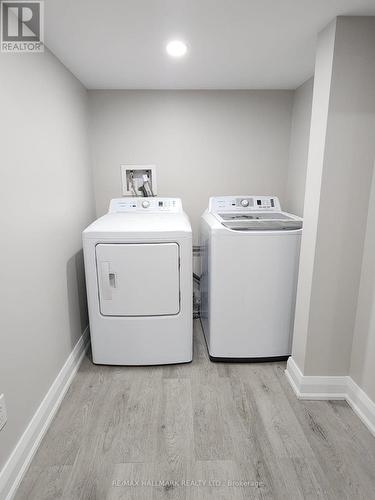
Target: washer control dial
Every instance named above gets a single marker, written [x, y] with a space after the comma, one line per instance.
[245, 203]
[145, 204]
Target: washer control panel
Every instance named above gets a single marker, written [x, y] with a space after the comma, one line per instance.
[244, 204]
[145, 205]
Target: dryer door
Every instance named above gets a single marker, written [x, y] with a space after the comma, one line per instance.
[140, 279]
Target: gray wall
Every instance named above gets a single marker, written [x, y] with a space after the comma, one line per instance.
[46, 199]
[318, 129]
[362, 368]
[204, 143]
[299, 147]
[340, 164]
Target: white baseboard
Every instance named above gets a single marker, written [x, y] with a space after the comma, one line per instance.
[361, 404]
[14, 469]
[314, 387]
[328, 387]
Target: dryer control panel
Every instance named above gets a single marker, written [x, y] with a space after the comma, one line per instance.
[244, 204]
[145, 205]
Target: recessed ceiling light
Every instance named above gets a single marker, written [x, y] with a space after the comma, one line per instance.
[176, 48]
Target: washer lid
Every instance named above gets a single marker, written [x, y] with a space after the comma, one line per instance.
[260, 221]
[252, 213]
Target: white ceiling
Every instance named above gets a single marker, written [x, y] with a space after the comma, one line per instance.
[233, 44]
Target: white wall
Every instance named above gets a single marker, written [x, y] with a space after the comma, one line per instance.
[341, 157]
[46, 199]
[204, 143]
[299, 147]
[318, 130]
[362, 367]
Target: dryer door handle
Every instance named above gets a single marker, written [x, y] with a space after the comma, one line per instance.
[112, 280]
[107, 280]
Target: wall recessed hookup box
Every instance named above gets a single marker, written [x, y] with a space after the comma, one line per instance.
[134, 177]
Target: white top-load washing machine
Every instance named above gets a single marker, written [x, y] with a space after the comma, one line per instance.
[250, 253]
[138, 264]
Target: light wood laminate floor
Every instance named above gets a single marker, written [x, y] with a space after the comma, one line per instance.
[199, 431]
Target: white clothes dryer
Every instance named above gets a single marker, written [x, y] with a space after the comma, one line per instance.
[138, 264]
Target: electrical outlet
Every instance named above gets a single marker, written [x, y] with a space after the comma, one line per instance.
[3, 411]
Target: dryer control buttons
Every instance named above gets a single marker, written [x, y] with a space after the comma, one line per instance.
[145, 204]
[245, 203]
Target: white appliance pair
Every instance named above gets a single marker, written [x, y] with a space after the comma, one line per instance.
[138, 262]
